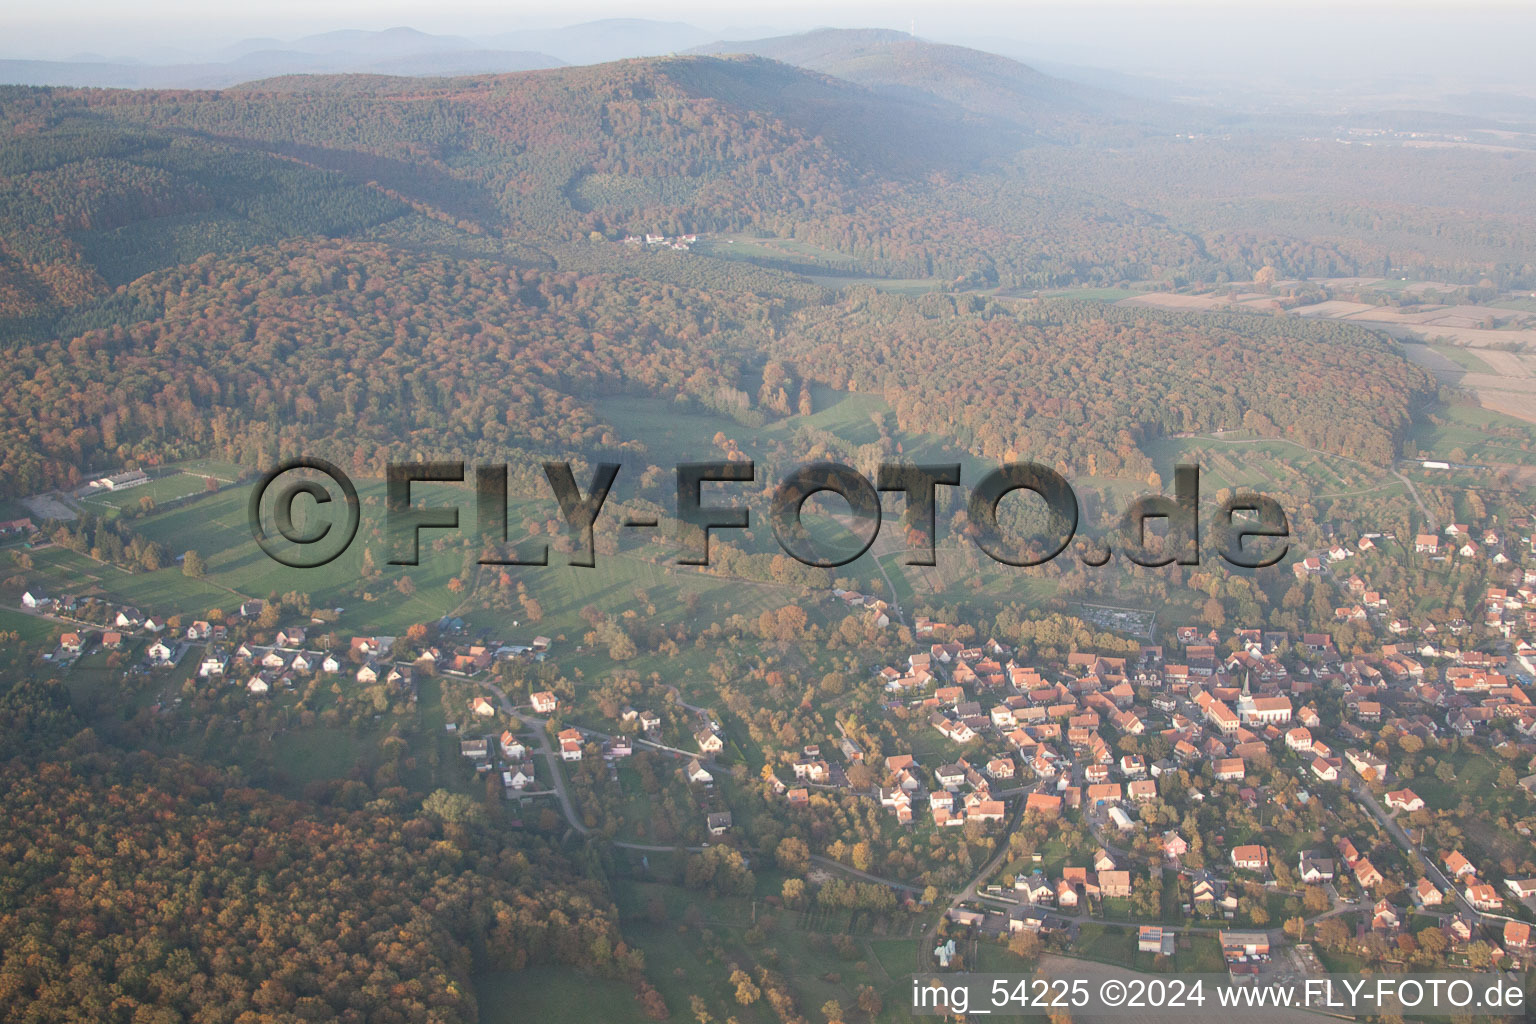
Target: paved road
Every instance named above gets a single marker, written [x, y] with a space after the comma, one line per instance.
[1413, 492]
[545, 750]
[971, 892]
[1367, 801]
[828, 862]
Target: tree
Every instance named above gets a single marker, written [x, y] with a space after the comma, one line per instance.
[1025, 944]
[793, 855]
[869, 1001]
[651, 1001]
[1332, 933]
[192, 565]
[746, 992]
[452, 807]
[1433, 942]
[833, 1011]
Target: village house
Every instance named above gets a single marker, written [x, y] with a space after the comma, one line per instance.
[1457, 865]
[1115, 884]
[518, 778]
[1228, 769]
[1299, 739]
[1044, 804]
[512, 748]
[1250, 858]
[1482, 896]
[1312, 868]
[1521, 888]
[1366, 874]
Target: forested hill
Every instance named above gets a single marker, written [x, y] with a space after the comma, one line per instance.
[97, 186]
[982, 84]
[364, 353]
[945, 164]
[147, 889]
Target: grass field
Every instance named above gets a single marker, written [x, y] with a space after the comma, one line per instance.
[1117, 945]
[161, 490]
[1482, 435]
[30, 628]
[545, 994]
[1465, 358]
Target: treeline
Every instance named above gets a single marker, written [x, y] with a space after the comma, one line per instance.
[110, 540]
[1082, 386]
[365, 354]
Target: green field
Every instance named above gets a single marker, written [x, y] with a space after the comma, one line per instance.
[29, 627]
[160, 491]
[1480, 435]
[546, 994]
[1463, 357]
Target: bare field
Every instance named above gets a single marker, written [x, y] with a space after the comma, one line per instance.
[1477, 338]
[1507, 364]
[1171, 300]
[1333, 309]
[1521, 404]
[1510, 389]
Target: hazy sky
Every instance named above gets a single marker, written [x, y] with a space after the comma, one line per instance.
[1475, 43]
